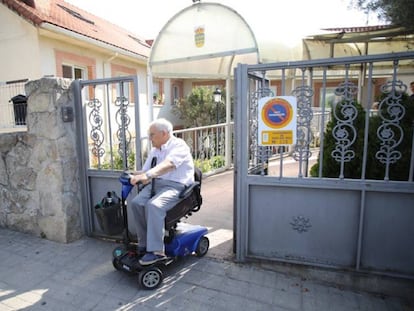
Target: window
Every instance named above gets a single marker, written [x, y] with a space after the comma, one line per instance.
[76, 14]
[127, 90]
[73, 72]
[176, 91]
[124, 91]
[73, 66]
[158, 92]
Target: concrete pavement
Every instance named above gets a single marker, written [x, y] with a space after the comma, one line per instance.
[37, 274]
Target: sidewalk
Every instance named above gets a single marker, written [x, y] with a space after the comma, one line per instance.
[38, 274]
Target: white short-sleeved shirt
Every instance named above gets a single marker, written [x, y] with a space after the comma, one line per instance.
[177, 151]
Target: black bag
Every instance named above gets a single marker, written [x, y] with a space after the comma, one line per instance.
[109, 214]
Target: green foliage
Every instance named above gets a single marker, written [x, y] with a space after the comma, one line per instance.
[117, 162]
[331, 167]
[199, 108]
[397, 12]
[208, 165]
[374, 168]
[217, 162]
[203, 165]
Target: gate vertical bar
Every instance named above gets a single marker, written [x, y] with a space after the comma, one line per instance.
[367, 116]
[322, 123]
[108, 119]
[363, 172]
[228, 132]
[81, 150]
[138, 146]
[241, 162]
[123, 124]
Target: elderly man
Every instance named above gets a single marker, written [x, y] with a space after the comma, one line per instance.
[172, 173]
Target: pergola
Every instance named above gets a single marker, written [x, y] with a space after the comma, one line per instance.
[357, 41]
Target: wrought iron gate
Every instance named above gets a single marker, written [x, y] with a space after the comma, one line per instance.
[108, 138]
[354, 208]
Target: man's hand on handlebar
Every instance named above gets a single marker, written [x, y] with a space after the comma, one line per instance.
[139, 177]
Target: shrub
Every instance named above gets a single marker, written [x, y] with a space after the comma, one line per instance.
[208, 165]
[374, 168]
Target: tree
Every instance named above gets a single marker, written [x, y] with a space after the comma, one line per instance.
[199, 108]
[396, 12]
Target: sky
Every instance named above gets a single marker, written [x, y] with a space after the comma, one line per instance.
[289, 20]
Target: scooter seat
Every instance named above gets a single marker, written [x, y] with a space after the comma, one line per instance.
[191, 201]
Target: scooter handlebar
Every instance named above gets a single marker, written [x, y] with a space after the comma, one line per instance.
[125, 178]
[126, 185]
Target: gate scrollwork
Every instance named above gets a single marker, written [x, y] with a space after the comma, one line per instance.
[344, 132]
[123, 120]
[390, 132]
[303, 96]
[96, 134]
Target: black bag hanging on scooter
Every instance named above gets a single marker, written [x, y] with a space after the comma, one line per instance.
[109, 214]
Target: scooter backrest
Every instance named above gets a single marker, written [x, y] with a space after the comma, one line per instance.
[198, 175]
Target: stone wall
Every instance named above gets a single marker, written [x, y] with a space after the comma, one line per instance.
[39, 179]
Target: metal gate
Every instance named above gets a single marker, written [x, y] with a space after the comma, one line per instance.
[109, 142]
[355, 209]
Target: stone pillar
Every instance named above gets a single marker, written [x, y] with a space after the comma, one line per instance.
[40, 193]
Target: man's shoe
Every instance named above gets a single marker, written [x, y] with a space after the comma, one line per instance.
[141, 250]
[150, 258]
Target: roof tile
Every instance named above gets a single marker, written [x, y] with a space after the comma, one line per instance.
[72, 18]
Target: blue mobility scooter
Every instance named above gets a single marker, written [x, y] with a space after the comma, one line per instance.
[180, 240]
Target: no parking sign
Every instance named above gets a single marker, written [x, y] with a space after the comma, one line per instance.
[277, 121]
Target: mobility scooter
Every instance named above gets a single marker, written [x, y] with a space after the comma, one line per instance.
[180, 240]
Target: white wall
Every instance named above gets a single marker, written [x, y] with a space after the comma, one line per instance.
[19, 48]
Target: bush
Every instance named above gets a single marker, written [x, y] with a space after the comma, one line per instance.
[217, 162]
[374, 168]
[208, 165]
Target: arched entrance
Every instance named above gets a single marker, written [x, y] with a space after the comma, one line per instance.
[204, 40]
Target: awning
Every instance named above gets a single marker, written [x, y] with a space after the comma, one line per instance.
[205, 40]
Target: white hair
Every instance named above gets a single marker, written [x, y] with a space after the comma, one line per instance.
[162, 125]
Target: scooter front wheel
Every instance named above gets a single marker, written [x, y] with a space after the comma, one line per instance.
[150, 278]
[116, 264]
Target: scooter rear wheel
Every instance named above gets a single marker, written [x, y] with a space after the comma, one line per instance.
[150, 278]
[202, 246]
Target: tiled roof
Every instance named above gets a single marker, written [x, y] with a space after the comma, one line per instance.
[69, 17]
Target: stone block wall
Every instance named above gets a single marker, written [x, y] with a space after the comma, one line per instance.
[39, 173]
